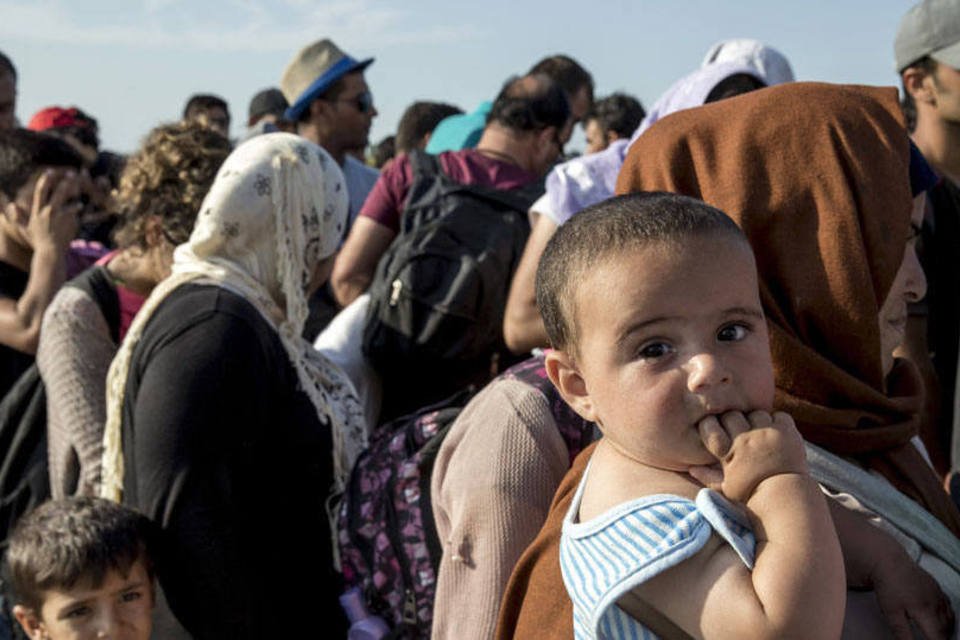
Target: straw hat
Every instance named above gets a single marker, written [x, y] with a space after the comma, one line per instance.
[312, 71]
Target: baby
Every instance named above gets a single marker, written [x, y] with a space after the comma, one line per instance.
[79, 568]
[696, 515]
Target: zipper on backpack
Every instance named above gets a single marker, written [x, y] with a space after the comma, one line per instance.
[395, 288]
[409, 613]
[409, 607]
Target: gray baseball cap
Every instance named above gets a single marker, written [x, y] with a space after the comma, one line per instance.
[931, 28]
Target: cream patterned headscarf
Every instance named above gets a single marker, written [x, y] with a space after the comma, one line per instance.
[276, 209]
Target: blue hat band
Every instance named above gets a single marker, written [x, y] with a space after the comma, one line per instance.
[343, 66]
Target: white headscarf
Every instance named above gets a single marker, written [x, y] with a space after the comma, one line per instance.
[770, 63]
[276, 209]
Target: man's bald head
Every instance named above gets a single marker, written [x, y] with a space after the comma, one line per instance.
[530, 103]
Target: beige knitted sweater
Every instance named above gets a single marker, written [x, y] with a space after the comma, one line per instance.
[73, 356]
[494, 477]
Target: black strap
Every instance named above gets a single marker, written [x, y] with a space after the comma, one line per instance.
[426, 165]
[96, 283]
[652, 619]
[518, 200]
[423, 164]
[430, 183]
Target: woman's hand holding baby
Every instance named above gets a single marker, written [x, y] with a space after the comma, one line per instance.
[749, 448]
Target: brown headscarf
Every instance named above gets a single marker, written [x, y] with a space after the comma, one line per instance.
[817, 176]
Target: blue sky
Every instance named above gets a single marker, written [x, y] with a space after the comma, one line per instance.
[132, 64]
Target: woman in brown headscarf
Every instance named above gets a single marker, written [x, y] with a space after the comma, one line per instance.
[818, 178]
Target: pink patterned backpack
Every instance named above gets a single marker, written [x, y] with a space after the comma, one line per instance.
[388, 540]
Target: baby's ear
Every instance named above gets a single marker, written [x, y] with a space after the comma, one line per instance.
[29, 621]
[565, 376]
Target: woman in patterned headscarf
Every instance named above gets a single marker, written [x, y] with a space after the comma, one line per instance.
[223, 425]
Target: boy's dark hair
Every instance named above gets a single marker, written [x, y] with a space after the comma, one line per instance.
[6, 64]
[566, 72]
[617, 112]
[608, 228]
[928, 66]
[201, 102]
[62, 542]
[530, 103]
[419, 119]
[23, 153]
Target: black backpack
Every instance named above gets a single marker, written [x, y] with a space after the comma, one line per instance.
[439, 292]
[24, 469]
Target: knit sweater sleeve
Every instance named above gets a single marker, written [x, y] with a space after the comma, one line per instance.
[73, 356]
[494, 477]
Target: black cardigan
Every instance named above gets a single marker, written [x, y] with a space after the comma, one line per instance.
[226, 454]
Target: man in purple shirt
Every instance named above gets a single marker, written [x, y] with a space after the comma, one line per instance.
[520, 143]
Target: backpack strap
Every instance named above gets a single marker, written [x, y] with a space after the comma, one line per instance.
[24, 469]
[96, 283]
[424, 165]
[426, 183]
[427, 167]
[429, 184]
[516, 200]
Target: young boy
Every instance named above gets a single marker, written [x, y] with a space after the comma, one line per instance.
[40, 188]
[696, 514]
[79, 568]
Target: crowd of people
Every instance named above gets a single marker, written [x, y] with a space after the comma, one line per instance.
[698, 381]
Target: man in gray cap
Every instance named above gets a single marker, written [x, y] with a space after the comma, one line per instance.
[333, 107]
[927, 51]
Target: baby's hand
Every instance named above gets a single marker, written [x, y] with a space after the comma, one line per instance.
[750, 448]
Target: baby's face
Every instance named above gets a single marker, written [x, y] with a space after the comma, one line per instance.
[669, 334]
[121, 608]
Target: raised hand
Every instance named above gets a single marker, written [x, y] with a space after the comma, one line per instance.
[55, 209]
[749, 449]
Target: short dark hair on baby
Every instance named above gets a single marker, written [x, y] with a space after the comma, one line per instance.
[609, 228]
[62, 542]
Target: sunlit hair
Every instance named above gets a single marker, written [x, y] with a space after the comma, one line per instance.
[166, 180]
[608, 229]
[65, 542]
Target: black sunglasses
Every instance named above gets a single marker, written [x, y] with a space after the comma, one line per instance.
[362, 102]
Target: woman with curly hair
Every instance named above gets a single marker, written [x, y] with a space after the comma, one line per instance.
[160, 192]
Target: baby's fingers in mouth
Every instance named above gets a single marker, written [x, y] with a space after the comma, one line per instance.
[714, 436]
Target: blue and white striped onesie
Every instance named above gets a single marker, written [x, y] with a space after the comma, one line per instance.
[606, 557]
